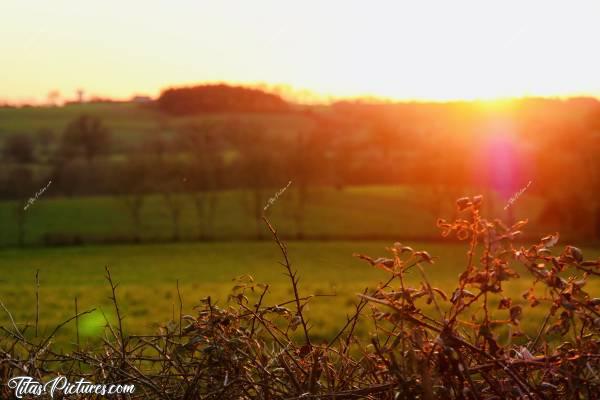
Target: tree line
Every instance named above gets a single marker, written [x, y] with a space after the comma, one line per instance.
[445, 148]
[219, 98]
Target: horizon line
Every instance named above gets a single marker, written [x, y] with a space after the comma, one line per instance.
[291, 94]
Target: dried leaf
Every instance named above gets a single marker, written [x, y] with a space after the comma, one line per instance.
[550, 240]
[519, 225]
[463, 203]
[459, 294]
[425, 256]
[590, 263]
[295, 322]
[594, 302]
[441, 293]
[505, 303]
[515, 314]
[575, 253]
[406, 249]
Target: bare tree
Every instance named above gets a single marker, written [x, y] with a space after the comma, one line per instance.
[257, 165]
[305, 161]
[19, 148]
[21, 184]
[132, 186]
[170, 183]
[157, 145]
[174, 204]
[166, 176]
[204, 141]
[45, 139]
[86, 135]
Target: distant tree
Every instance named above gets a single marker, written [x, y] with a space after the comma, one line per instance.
[80, 95]
[439, 188]
[19, 178]
[87, 136]
[305, 162]
[131, 186]
[219, 98]
[385, 136]
[258, 166]
[157, 145]
[166, 175]
[53, 97]
[169, 182]
[70, 175]
[205, 144]
[20, 184]
[591, 163]
[19, 148]
[45, 138]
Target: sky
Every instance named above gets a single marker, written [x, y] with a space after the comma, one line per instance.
[410, 50]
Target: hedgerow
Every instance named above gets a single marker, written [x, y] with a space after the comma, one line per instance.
[423, 343]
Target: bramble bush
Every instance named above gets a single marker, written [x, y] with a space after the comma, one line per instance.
[424, 343]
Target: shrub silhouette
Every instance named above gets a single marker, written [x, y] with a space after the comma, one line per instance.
[424, 343]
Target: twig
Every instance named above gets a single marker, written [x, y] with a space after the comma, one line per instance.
[180, 306]
[77, 323]
[63, 324]
[292, 276]
[113, 288]
[37, 300]
[17, 331]
[257, 308]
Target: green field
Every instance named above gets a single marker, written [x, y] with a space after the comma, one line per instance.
[148, 275]
[363, 212]
[128, 121]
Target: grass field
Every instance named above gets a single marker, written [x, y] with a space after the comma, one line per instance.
[354, 212]
[148, 275]
[128, 121]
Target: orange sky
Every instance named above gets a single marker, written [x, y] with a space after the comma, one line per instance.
[404, 50]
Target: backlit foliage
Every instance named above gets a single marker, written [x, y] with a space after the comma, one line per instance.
[423, 343]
